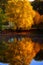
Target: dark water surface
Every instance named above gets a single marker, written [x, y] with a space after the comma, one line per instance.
[36, 35]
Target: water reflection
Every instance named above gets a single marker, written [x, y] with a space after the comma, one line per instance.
[36, 62]
[36, 35]
[24, 45]
[32, 63]
[3, 64]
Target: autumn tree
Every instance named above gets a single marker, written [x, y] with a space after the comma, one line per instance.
[20, 13]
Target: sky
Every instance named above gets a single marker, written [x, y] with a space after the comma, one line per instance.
[32, 63]
[31, 0]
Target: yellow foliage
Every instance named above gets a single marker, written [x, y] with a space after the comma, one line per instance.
[21, 13]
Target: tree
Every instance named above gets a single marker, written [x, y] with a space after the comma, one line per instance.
[3, 18]
[20, 13]
[37, 5]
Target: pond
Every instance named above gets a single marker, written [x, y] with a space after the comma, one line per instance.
[32, 63]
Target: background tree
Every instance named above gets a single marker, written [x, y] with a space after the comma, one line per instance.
[3, 17]
[38, 6]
